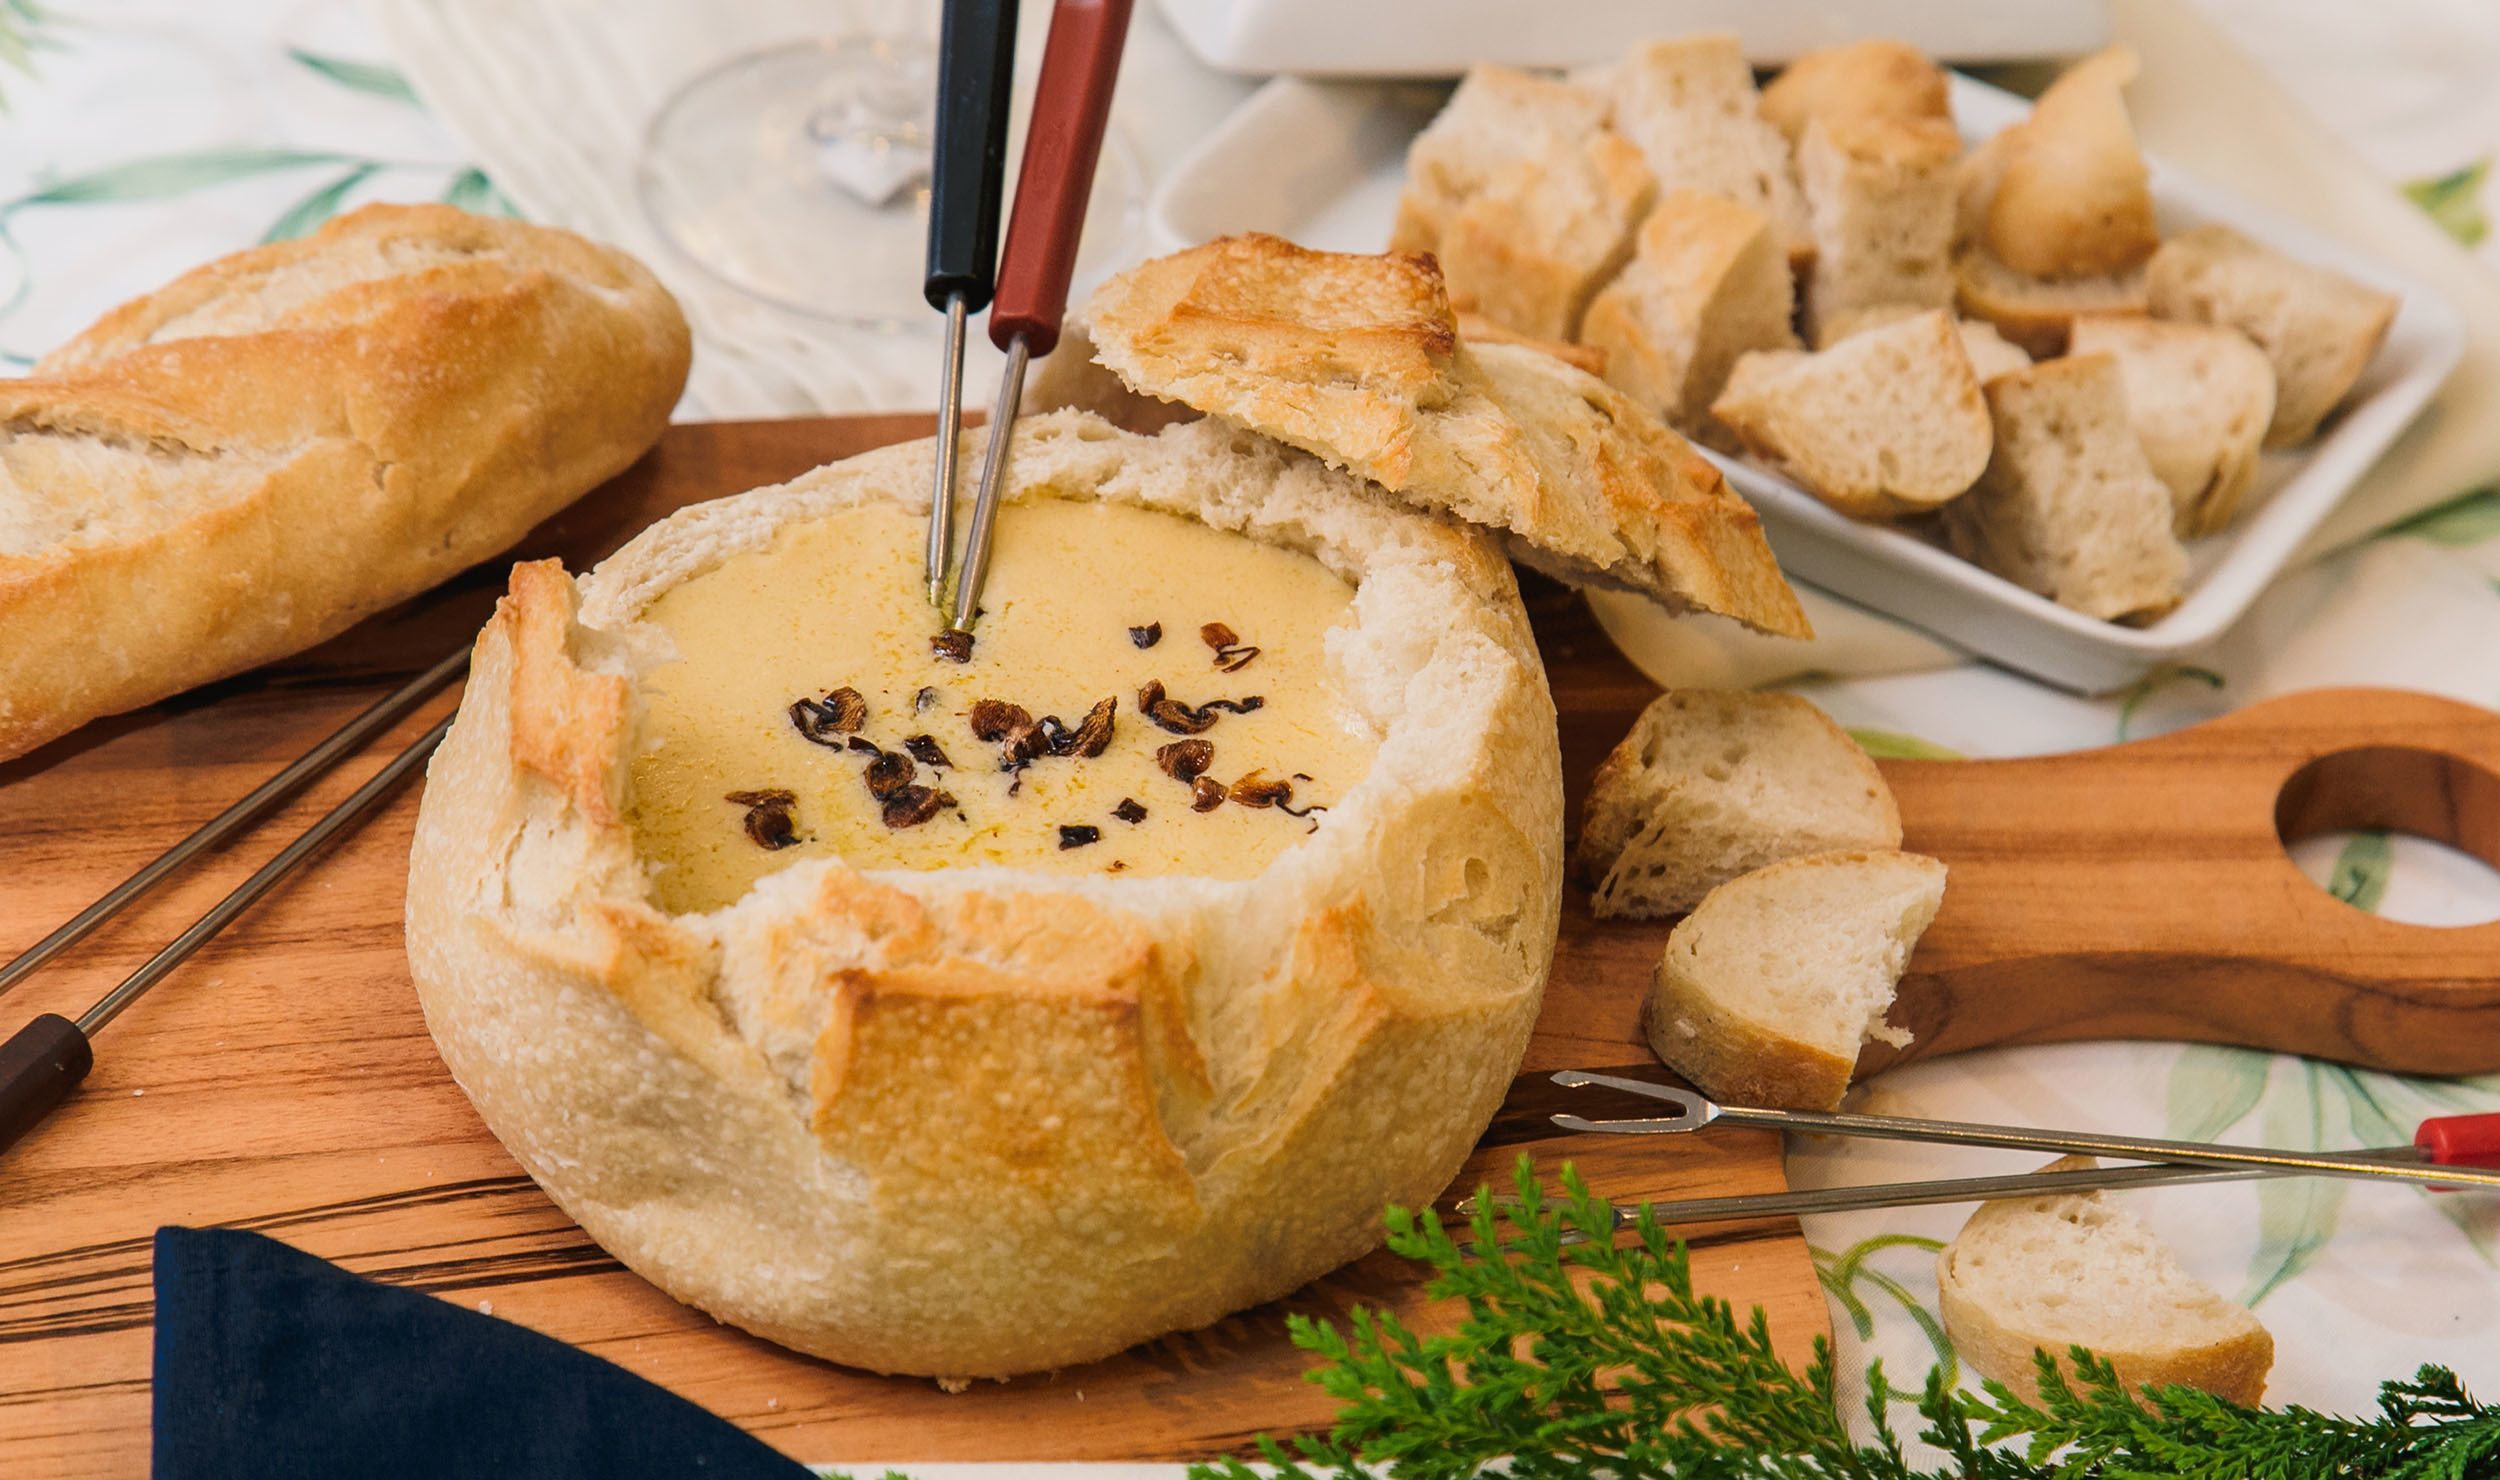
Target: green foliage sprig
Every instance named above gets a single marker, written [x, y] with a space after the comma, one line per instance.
[1626, 1371]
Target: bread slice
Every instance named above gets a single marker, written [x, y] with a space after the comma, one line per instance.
[1527, 201]
[2199, 397]
[1708, 282]
[1357, 360]
[2061, 1270]
[2038, 313]
[1713, 783]
[1873, 78]
[1991, 354]
[1888, 422]
[1769, 990]
[1879, 198]
[1689, 103]
[1475, 328]
[2319, 328]
[2073, 196]
[2069, 507]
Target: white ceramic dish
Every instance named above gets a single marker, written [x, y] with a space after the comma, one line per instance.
[1322, 162]
[1442, 38]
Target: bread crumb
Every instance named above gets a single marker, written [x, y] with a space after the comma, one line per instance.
[486, 1307]
[953, 1384]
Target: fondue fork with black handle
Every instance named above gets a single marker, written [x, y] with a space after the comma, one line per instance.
[1071, 109]
[976, 70]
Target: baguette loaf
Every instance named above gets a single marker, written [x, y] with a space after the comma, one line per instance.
[1873, 78]
[2061, 1270]
[278, 444]
[2069, 507]
[2199, 397]
[1708, 283]
[1771, 987]
[2318, 328]
[1714, 783]
[1886, 422]
[1357, 360]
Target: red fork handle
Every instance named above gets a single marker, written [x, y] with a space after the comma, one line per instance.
[1071, 108]
[2460, 1140]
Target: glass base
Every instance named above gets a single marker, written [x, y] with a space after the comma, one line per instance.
[798, 174]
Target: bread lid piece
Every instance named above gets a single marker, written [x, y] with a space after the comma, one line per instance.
[1872, 78]
[1886, 422]
[2061, 1270]
[1708, 282]
[1769, 990]
[2200, 397]
[2318, 328]
[1713, 783]
[1357, 360]
[2069, 507]
[2073, 195]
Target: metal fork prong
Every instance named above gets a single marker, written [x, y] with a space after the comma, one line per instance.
[1690, 1106]
[1669, 1125]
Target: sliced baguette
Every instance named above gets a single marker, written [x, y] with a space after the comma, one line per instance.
[1713, 783]
[1690, 104]
[1707, 283]
[2200, 398]
[1357, 360]
[1529, 204]
[2061, 1270]
[1771, 987]
[2069, 507]
[2073, 197]
[1991, 354]
[1873, 78]
[2318, 328]
[1879, 196]
[1887, 422]
[2038, 313]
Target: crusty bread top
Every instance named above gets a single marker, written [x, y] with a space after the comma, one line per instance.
[1357, 359]
[1872, 78]
[2073, 197]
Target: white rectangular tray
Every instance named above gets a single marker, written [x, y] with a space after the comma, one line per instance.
[1322, 162]
[1442, 38]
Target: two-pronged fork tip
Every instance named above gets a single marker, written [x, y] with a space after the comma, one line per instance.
[1573, 1078]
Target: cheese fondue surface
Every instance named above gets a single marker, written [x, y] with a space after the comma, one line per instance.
[805, 712]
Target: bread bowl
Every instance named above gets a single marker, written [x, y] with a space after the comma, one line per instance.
[1013, 1114]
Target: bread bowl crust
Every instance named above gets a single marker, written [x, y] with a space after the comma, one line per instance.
[981, 1122]
[359, 445]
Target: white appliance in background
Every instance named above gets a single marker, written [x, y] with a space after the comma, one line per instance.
[1442, 38]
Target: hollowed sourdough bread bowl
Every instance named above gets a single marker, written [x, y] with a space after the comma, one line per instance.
[976, 1121]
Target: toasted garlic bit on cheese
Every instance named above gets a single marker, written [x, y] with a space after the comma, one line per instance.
[840, 600]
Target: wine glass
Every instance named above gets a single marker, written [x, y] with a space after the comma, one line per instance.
[798, 173]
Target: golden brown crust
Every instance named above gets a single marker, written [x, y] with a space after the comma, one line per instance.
[1356, 359]
[274, 446]
[977, 1124]
[2234, 1369]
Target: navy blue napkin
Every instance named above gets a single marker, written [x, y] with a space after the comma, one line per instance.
[274, 1365]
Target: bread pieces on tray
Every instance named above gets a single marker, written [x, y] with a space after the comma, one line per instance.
[1710, 784]
[2199, 397]
[1708, 282]
[1527, 200]
[1357, 360]
[1871, 78]
[2317, 327]
[1889, 421]
[251, 459]
[1769, 989]
[1689, 103]
[2069, 507]
[2061, 1270]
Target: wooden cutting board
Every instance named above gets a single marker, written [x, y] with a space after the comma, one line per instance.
[283, 1080]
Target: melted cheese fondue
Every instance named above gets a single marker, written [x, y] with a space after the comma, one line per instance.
[838, 605]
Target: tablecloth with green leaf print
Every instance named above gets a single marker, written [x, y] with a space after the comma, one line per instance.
[145, 136]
